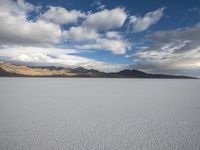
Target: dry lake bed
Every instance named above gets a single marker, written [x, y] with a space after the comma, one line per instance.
[97, 114]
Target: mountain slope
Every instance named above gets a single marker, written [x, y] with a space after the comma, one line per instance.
[139, 74]
[10, 70]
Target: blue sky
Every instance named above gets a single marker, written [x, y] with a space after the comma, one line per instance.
[156, 36]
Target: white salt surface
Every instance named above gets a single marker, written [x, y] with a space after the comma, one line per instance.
[97, 114]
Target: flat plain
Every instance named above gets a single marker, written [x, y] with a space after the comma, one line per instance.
[96, 114]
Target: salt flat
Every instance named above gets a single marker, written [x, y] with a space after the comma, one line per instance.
[96, 114]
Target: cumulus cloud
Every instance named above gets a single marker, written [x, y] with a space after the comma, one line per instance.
[46, 29]
[91, 29]
[15, 28]
[106, 19]
[172, 50]
[113, 35]
[80, 34]
[19, 7]
[115, 46]
[139, 24]
[61, 16]
[55, 56]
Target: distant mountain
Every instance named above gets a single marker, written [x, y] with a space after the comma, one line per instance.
[10, 70]
[7, 69]
[139, 74]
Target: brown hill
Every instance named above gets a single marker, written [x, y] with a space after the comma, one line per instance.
[7, 69]
[27, 71]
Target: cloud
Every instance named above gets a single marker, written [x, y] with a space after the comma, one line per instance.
[80, 34]
[139, 24]
[183, 34]
[61, 16]
[54, 56]
[115, 46]
[172, 51]
[99, 5]
[15, 28]
[111, 41]
[106, 19]
[195, 10]
[113, 35]
[19, 7]
[46, 29]
[90, 30]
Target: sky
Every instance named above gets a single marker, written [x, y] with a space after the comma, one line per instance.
[155, 36]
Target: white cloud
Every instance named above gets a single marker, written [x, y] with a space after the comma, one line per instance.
[91, 28]
[115, 46]
[172, 51]
[99, 5]
[139, 24]
[113, 35]
[80, 34]
[106, 19]
[55, 56]
[61, 16]
[16, 29]
[96, 22]
[46, 29]
[19, 7]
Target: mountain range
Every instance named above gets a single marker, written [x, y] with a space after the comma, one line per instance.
[11, 70]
